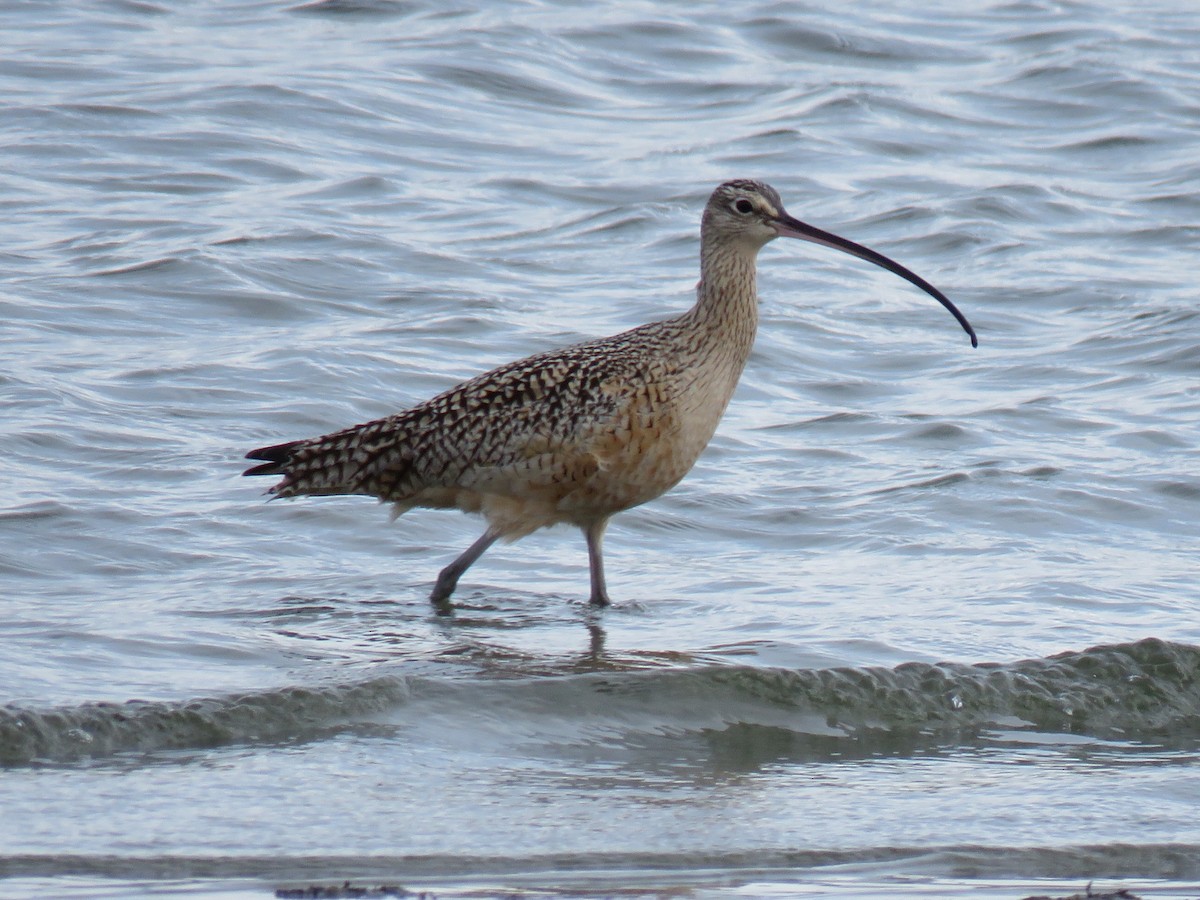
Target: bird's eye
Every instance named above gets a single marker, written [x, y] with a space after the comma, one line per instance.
[743, 206]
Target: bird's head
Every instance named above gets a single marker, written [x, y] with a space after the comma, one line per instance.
[749, 214]
[744, 211]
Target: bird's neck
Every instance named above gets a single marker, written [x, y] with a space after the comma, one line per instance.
[727, 297]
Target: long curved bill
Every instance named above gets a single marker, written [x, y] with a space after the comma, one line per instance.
[786, 226]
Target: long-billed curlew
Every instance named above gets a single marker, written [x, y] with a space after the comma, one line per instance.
[578, 434]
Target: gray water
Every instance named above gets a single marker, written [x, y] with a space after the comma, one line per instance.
[921, 622]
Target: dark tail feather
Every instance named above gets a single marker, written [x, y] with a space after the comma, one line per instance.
[277, 459]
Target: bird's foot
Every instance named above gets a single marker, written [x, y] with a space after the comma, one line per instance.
[442, 589]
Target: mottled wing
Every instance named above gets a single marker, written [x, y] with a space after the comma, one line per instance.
[531, 425]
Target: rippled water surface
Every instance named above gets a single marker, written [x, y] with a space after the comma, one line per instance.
[923, 619]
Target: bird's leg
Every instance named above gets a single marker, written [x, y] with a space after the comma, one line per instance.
[595, 543]
[448, 577]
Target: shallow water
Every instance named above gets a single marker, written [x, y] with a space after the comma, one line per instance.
[923, 620]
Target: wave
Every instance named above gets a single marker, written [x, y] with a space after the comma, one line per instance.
[1143, 691]
[614, 873]
[103, 729]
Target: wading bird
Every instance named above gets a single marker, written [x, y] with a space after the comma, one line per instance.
[578, 434]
